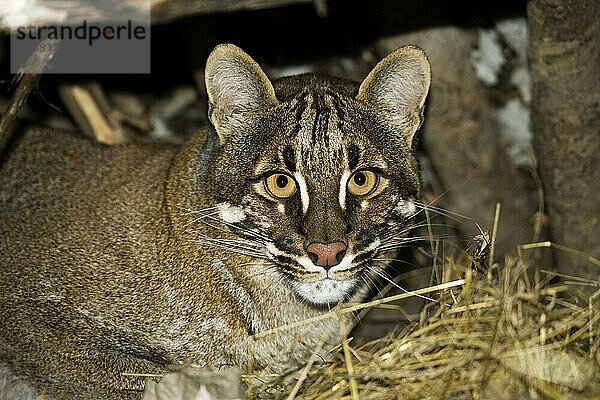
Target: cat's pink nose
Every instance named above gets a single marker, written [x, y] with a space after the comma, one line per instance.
[326, 254]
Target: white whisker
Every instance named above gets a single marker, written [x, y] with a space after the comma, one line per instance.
[441, 211]
[384, 275]
[242, 229]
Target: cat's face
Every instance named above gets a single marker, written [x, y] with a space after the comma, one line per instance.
[318, 180]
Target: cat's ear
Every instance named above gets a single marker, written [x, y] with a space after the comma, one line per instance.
[237, 88]
[397, 88]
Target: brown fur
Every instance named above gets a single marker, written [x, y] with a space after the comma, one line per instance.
[101, 270]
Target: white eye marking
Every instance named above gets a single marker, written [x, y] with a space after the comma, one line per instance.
[343, 183]
[281, 208]
[303, 191]
[364, 204]
[231, 214]
[406, 207]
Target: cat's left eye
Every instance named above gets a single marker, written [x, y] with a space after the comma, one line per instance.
[280, 185]
[362, 183]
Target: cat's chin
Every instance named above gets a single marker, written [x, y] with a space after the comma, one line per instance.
[326, 290]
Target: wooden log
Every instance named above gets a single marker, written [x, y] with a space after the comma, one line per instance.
[167, 10]
[90, 109]
[565, 66]
[162, 11]
[26, 83]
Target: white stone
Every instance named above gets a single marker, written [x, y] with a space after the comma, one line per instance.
[488, 59]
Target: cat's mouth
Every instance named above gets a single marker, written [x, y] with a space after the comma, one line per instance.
[324, 285]
[326, 290]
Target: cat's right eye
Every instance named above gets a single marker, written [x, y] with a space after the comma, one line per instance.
[363, 182]
[280, 185]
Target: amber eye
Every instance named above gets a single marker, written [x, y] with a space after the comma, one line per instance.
[363, 182]
[280, 185]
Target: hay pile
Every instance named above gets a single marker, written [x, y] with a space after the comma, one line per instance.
[501, 334]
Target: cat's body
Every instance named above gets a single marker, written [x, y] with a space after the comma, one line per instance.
[121, 275]
[136, 258]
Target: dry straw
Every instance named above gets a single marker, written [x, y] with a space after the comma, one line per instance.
[504, 333]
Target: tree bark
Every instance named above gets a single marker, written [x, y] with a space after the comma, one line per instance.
[565, 65]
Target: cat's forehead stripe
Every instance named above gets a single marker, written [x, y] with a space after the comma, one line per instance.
[319, 138]
[353, 156]
[289, 158]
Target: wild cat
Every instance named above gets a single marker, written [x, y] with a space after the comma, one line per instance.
[137, 257]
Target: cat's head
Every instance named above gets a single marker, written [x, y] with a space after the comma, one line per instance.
[315, 174]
